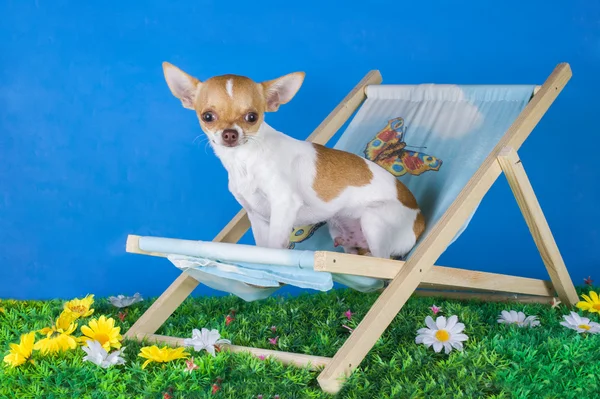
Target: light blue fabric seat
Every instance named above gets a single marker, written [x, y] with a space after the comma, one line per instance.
[432, 137]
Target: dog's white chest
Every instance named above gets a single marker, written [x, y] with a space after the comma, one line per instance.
[247, 185]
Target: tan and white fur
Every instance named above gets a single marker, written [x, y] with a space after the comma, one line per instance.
[284, 183]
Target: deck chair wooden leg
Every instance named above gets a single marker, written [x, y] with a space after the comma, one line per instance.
[538, 226]
[163, 307]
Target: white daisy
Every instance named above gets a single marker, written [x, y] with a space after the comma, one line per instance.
[580, 324]
[97, 354]
[205, 339]
[122, 301]
[518, 318]
[442, 334]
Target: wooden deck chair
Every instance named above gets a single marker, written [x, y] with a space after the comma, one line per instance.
[416, 275]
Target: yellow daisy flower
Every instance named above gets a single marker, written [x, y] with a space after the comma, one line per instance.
[20, 353]
[161, 355]
[81, 307]
[591, 303]
[104, 331]
[58, 337]
[65, 319]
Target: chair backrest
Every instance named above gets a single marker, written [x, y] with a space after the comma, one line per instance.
[432, 137]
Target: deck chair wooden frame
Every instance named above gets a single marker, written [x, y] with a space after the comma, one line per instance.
[418, 275]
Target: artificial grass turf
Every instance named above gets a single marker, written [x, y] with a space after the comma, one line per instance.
[499, 361]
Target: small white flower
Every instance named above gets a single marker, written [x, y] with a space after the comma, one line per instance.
[518, 318]
[442, 334]
[555, 302]
[122, 301]
[580, 324]
[97, 354]
[205, 339]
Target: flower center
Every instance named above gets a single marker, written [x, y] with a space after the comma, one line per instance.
[101, 337]
[77, 309]
[442, 335]
[596, 306]
[584, 327]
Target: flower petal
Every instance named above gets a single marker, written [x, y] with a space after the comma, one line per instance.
[531, 321]
[459, 337]
[430, 323]
[437, 346]
[424, 338]
[85, 330]
[569, 319]
[459, 327]
[583, 320]
[576, 318]
[93, 324]
[457, 345]
[447, 347]
[213, 336]
[586, 298]
[428, 340]
[584, 305]
[452, 320]
[595, 327]
[566, 324]
[211, 349]
[440, 322]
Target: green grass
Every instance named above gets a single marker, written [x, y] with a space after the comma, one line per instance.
[499, 361]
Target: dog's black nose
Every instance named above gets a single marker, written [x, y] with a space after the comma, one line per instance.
[230, 136]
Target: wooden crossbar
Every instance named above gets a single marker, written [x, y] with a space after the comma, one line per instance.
[295, 359]
[439, 276]
[485, 296]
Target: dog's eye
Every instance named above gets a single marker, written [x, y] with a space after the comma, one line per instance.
[251, 117]
[208, 117]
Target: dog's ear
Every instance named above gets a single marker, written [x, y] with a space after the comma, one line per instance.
[182, 85]
[281, 90]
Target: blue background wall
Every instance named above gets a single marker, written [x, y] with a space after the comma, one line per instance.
[93, 146]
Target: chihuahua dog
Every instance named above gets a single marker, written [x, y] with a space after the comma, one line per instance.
[284, 183]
